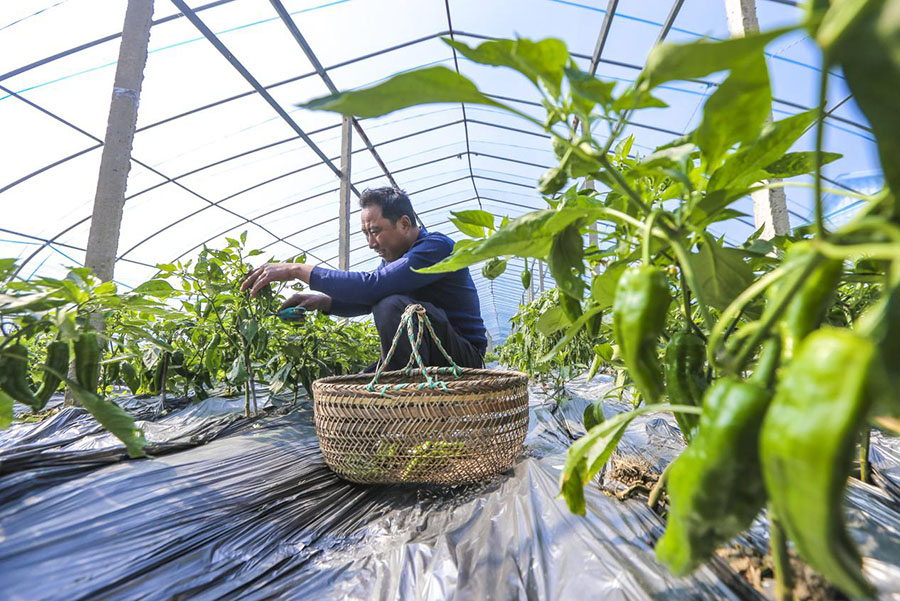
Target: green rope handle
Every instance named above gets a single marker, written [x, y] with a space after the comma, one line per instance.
[412, 314]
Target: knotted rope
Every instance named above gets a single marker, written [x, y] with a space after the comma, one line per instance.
[413, 314]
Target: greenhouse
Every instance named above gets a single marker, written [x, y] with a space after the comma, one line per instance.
[395, 299]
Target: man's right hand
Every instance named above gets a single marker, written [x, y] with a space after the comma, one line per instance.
[311, 302]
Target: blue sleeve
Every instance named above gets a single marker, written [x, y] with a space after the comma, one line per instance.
[367, 288]
[348, 309]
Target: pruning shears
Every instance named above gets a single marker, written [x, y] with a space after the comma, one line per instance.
[291, 314]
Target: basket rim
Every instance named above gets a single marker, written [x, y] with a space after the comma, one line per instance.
[363, 379]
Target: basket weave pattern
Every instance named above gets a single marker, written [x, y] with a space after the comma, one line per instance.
[467, 433]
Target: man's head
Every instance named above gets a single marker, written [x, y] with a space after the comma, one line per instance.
[388, 222]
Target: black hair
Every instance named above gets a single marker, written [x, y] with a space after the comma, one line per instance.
[394, 203]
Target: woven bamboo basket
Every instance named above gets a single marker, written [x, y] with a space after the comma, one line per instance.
[433, 425]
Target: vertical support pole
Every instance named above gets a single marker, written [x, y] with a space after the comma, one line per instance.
[541, 271]
[769, 206]
[344, 212]
[115, 162]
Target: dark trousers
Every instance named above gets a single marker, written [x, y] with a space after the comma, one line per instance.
[387, 313]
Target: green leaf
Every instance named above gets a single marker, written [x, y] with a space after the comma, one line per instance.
[480, 218]
[6, 410]
[142, 334]
[841, 18]
[737, 110]
[156, 289]
[590, 87]
[799, 163]
[670, 62]
[551, 321]
[493, 268]
[633, 100]
[424, 86]
[741, 169]
[527, 236]
[473, 223]
[587, 455]
[237, 375]
[116, 420]
[593, 415]
[603, 286]
[542, 61]
[573, 330]
[566, 261]
[721, 272]
[673, 157]
[105, 289]
[869, 52]
[249, 328]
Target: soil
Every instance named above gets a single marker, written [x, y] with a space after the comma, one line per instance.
[628, 476]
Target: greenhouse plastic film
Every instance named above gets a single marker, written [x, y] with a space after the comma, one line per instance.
[256, 514]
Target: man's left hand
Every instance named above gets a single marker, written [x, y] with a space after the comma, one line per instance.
[275, 272]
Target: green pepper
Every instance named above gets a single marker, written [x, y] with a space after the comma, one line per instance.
[807, 308]
[56, 366]
[14, 376]
[87, 361]
[715, 486]
[639, 317]
[684, 362]
[130, 377]
[806, 446]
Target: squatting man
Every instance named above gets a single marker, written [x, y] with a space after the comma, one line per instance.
[450, 299]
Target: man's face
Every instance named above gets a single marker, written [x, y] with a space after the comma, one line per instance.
[389, 240]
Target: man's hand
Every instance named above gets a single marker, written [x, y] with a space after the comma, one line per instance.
[312, 302]
[275, 272]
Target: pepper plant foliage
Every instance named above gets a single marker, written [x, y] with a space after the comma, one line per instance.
[772, 381]
[188, 330]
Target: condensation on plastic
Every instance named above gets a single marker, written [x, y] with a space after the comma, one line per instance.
[256, 514]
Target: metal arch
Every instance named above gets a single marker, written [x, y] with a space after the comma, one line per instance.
[670, 20]
[314, 60]
[239, 67]
[296, 78]
[99, 144]
[266, 214]
[463, 105]
[50, 243]
[97, 42]
[604, 34]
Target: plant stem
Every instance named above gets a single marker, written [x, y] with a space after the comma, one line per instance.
[734, 310]
[864, 474]
[685, 261]
[633, 196]
[769, 320]
[659, 487]
[165, 375]
[820, 138]
[784, 577]
[648, 228]
[246, 399]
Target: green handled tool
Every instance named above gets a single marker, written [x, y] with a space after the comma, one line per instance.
[292, 314]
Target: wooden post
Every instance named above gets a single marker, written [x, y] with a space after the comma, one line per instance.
[115, 162]
[344, 211]
[769, 206]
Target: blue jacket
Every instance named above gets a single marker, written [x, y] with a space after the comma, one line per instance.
[354, 292]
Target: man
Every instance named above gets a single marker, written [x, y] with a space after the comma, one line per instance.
[450, 299]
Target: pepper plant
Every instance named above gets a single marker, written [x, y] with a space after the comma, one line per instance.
[772, 390]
